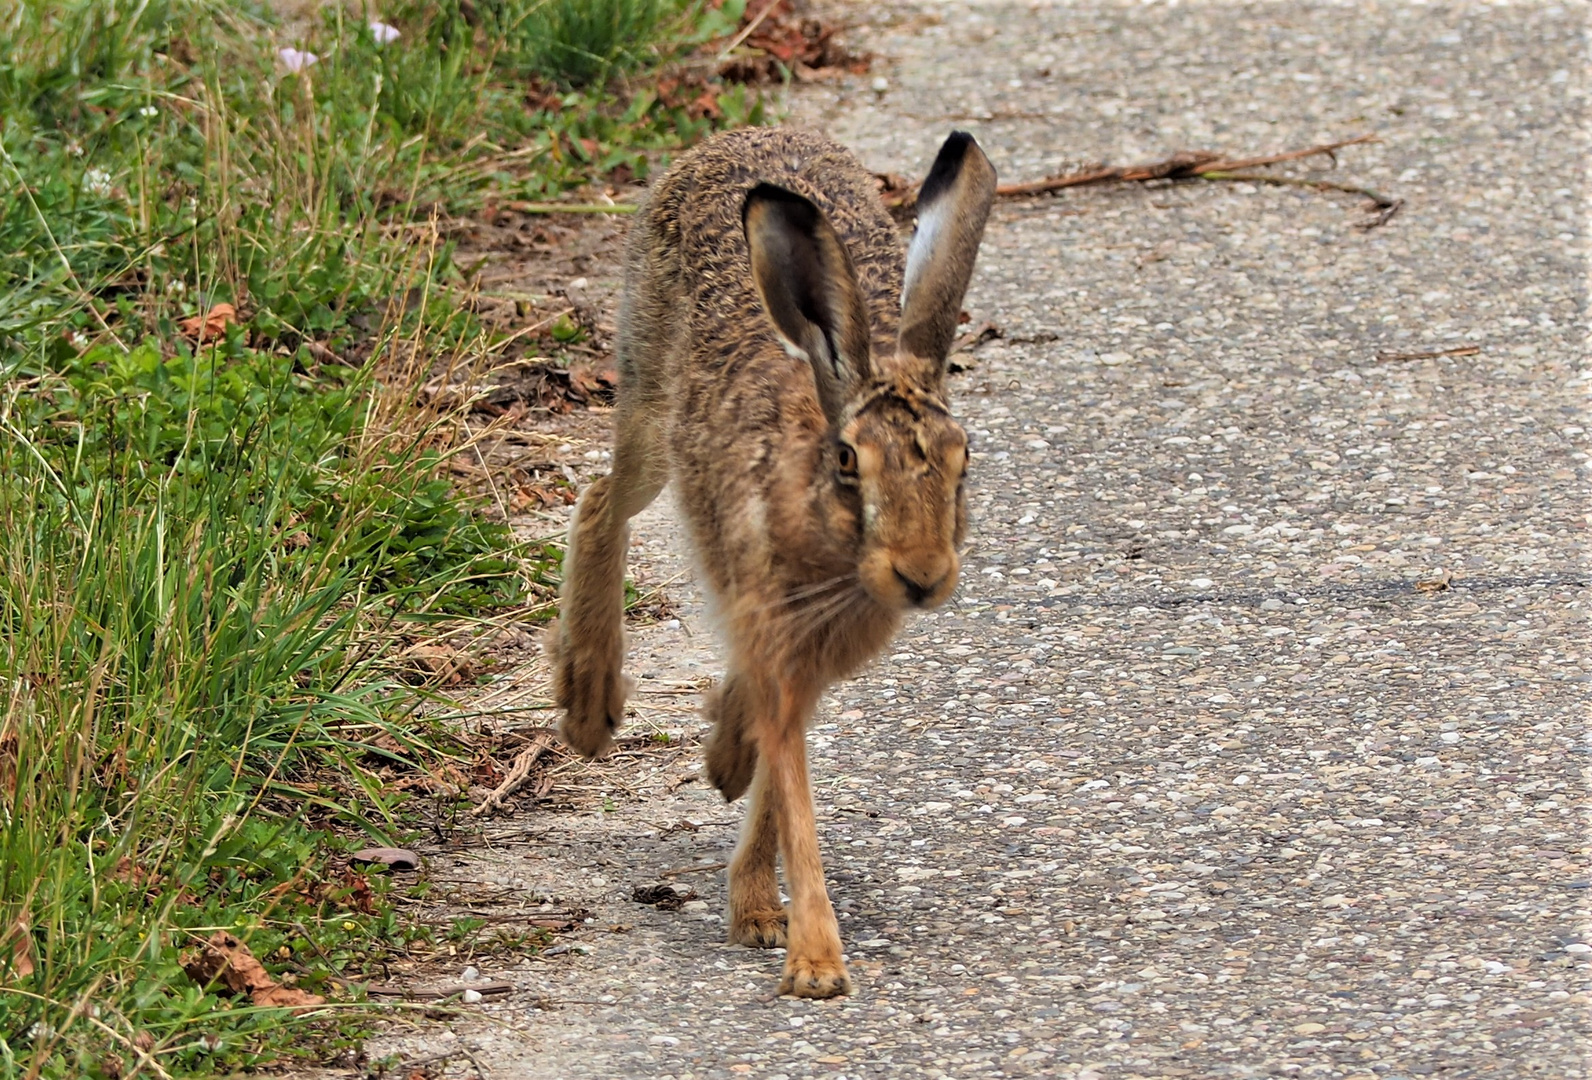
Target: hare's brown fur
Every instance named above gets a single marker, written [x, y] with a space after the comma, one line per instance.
[811, 555]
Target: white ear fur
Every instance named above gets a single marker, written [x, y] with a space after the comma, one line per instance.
[920, 254]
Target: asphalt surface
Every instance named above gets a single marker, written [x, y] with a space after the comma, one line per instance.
[1254, 745]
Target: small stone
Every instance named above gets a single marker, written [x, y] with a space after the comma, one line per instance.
[471, 974]
[1578, 948]
[1309, 1029]
[880, 84]
[470, 997]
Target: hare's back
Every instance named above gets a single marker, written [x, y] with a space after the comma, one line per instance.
[695, 215]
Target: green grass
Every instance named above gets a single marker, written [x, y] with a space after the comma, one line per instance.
[207, 549]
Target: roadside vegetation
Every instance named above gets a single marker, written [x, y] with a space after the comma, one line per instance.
[221, 283]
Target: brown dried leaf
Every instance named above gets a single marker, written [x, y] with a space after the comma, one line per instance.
[397, 858]
[438, 663]
[9, 748]
[1435, 584]
[16, 950]
[227, 962]
[211, 325]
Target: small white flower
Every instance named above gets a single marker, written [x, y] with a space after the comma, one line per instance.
[296, 60]
[149, 110]
[74, 149]
[383, 33]
[98, 181]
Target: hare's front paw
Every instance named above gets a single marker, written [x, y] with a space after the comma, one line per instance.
[759, 929]
[589, 686]
[814, 978]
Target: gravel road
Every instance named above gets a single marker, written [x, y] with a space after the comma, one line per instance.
[1255, 744]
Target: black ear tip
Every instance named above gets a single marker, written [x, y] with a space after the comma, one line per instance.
[793, 207]
[947, 164]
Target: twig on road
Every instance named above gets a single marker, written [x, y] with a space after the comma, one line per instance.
[1385, 205]
[901, 195]
[677, 871]
[1394, 357]
[519, 773]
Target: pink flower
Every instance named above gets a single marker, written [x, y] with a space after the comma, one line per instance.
[296, 60]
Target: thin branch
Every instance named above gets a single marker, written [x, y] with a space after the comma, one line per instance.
[1386, 205]
[1393, 357]
[518, 774]
[1180, 166]
[568, 208]
[899, 194]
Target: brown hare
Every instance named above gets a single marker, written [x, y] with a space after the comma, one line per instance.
[783, 364]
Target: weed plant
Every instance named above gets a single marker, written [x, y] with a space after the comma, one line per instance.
[208, 539]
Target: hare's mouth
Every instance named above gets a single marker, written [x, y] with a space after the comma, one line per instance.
[910, 581]
[921, 595]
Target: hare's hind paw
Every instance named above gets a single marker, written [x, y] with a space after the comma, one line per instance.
[591, 690]
[759, 929]
[814, 978]
[731, 759]
[731, 752]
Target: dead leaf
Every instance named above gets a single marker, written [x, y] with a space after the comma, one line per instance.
[437, 663]
[1435, 584]
[896, 191]
[9, 747]
[662, 897]
[396, 858]
[227, 963]
[778, 40]
[970, 341]
[588, 384]
[211, 325]
[16, 950]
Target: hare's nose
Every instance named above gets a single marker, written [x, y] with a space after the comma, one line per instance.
[918, 591]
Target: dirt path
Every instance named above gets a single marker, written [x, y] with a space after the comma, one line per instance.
[1255, 747]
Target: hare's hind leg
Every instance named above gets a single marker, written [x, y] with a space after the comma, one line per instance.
[757, 918]
[587, 644]
[731, 752]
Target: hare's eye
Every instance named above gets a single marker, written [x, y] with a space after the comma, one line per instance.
[846, 458]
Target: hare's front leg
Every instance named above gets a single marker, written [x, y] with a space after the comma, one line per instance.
[587, 644]
[813, 964]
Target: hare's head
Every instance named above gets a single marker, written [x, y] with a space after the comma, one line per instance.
[895, 456]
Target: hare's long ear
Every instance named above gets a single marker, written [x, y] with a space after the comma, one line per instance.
[953, 205]
[809, 289]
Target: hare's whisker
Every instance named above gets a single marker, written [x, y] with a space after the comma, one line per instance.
[816, 616]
